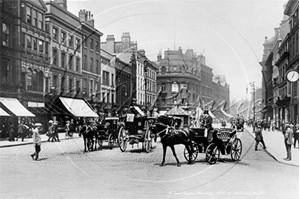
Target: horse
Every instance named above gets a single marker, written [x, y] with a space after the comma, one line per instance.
[88, 134]
[169, 136]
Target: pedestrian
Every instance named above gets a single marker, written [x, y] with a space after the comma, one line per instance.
[67, 129]
[36, 142]
[50, 131]
[11, 131]
[55, 131]
[296, 135]
[258, 135]
[288, 140]
[21, 131]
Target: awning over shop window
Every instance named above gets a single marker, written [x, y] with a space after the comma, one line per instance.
[13, 105]
[3, 113]
[78, 107]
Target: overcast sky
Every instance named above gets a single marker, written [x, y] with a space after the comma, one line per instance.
[230, 33]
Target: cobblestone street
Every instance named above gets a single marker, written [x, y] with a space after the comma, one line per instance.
[64, 171]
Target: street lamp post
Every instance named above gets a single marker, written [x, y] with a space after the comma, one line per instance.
[252, 84]
[145, 77]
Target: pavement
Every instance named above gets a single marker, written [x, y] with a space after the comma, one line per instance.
[274, 141]
[5, 143]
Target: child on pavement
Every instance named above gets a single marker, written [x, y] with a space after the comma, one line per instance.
[36, 142]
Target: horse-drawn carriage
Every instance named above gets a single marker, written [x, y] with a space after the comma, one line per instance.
[108, 131]
[198, 140]
[135, 129]
[223, 140]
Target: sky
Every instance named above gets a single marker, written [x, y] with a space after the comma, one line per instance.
[229, 33]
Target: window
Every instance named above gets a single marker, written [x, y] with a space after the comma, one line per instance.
[40, 81]
[92, 65]
[28, 40]
[47, 27]
[78, 64]
[71, 61]
[34, 18]
[91, 87]
[163, 70]
[71, 41]
[91, 44]
[112, 80]
[41, 46]
[46, 48]
[29, 79]
[97, 67]
[78, 85]
[55, 33]
[28, 14]
[63, 37]
[55, 56]
[55, 81]
[40, 21]
[105, 78]
[84, 85]
[5, 31]
[85, 41]
[78, 44]
[34, 80]
[63, 59]
[6, 72]
[84, 62]
[71, 84]
[34, 40]
[97, 46]
[47, 87]
[112, 98]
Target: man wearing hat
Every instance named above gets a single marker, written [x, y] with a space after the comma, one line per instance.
[50, 131]
[36, 141]
[258, 134]
[288, 140]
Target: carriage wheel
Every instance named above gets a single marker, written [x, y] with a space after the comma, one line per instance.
[100, 142]
[122, 139]
[236, 150]
[212, 153]
[111, 141]
[194, 154]
[147, 145]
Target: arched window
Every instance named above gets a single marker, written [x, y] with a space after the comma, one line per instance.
[34, 80]
[40, 81]
[163, 69]
[29, 79]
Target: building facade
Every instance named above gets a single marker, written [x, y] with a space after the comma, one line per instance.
[178, 78]
[292, 10]
[91, 59]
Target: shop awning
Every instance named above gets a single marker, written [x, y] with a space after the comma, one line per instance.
[13, 105]
[3, 113]
[78, 107]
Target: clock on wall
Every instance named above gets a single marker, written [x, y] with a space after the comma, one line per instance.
[174, 68]
[292, 75]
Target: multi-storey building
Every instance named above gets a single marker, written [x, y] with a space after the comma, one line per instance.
[279, 64]
[206, 84]
[292, 10]
[125, 80]
[220, 94]
[25, 63]
[178, 78]
[125, 45]
[65, 48]
[91, 59]
[108, 85]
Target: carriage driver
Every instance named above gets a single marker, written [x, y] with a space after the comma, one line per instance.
[207, 122]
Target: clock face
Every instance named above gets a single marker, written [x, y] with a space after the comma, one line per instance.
[292, 76]
[175, 68]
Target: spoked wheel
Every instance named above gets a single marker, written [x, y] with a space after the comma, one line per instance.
[111, 141]
[147, 145]
[236, 150]
[194, 154]
[122, 139]
[212, 153]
